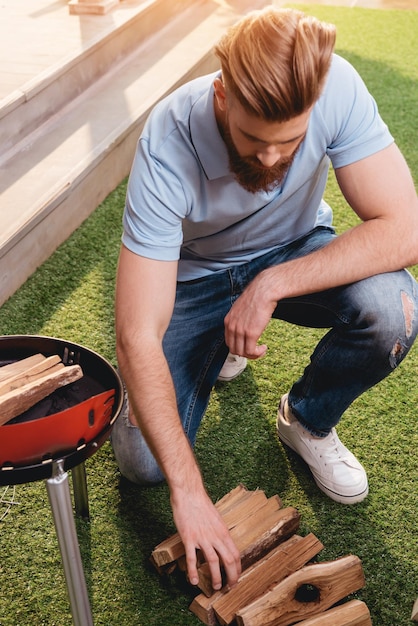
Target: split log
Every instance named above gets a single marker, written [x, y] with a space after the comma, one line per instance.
[256, 536]
[167, 552]
[246, 507]
[354, 613]
[234, 506]
[283, 560]
[20, 400]
[276, 587]
[414, 616]
[30, 373]
[18, 367]
[264, 530]
[285, 604]
[232, 498]
[202, 607]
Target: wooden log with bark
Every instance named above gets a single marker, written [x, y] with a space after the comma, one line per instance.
[234, 507]
[306, 593]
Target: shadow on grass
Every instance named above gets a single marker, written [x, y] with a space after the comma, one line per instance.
[146, 520]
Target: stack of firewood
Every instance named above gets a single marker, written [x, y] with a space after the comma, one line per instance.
[28, 381]
[278, 586]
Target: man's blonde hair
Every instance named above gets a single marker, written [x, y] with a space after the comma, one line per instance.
[275, 61]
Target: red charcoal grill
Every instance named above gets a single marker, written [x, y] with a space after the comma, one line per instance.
[58, 434]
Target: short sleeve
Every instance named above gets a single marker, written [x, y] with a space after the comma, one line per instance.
[357, 130]
[155, 208]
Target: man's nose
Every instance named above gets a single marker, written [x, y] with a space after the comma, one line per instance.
[269, 156]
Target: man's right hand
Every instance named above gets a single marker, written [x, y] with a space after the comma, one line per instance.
[201, 527]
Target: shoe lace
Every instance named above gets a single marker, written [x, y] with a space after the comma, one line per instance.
[330, 448]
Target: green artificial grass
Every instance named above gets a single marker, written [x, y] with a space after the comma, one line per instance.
[71, 296]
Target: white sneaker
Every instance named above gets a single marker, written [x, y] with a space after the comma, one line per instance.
[233, 367]
[335, 469]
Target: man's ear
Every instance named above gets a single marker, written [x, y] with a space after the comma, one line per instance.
[220, 94]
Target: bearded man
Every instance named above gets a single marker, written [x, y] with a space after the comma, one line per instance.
[225, 228]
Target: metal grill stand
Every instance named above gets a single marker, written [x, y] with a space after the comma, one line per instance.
[58, 436]
[60, 501]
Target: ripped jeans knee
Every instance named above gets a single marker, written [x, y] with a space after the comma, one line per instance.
[374, 324]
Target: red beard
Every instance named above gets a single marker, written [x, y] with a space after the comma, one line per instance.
[248, 171]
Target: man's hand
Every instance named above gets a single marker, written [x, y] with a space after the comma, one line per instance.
[201, 527]
[248, 318]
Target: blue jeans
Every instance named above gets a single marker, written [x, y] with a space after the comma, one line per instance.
[372, 325]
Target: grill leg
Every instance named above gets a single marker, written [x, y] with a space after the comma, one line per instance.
[60, 501]
[81, 498]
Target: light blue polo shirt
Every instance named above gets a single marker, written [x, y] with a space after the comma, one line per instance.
[183, 203]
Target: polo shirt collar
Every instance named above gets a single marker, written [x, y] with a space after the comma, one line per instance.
[207, 141]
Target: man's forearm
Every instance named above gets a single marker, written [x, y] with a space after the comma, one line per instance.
[197, 520]
[370, 248]
[154, 407]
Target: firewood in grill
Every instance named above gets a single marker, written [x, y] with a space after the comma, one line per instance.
[30, 374]
[19, 367]
[28, 381]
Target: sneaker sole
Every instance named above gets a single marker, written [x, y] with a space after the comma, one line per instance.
[337, 497]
